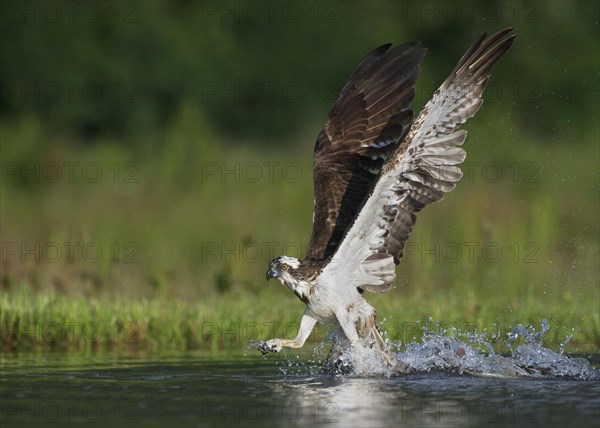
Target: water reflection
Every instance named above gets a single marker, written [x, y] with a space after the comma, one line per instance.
[340, 401]
[436, 401]
[192, 391]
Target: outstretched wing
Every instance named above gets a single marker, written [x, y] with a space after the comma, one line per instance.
[364, 126]
[420, 171]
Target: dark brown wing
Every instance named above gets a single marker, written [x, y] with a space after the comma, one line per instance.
[424, 167]
[364, 126]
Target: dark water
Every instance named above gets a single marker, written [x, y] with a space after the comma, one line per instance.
[253, 391]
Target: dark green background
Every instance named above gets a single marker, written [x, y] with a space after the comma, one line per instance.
[261, 70]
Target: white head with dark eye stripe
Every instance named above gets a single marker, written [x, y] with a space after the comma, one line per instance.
[282, 267]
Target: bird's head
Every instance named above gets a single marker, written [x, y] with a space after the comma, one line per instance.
[282, 267]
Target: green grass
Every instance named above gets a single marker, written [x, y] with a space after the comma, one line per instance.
[47, 321]
[184, 249]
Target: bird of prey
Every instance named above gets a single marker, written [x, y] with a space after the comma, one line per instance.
[374, 169]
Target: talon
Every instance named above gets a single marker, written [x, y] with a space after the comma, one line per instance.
[274, 345]
[263, 348]
[269, 346]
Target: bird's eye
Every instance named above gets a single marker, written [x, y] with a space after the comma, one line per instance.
[284, 266]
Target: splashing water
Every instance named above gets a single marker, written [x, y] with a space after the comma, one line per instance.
[451, 351]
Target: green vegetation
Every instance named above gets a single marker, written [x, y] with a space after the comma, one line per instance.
[262, 71]
[184, 255]
[149, 225]
[47, 321]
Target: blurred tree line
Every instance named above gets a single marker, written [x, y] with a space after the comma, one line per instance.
[258, 71]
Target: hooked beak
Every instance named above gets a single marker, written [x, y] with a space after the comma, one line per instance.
[271, 273]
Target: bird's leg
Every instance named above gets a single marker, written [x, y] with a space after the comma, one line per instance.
[335, 362]
[369, 332]
[344, 338]
[307, 323]
[366, 333]
[348, 326]
[375, 339]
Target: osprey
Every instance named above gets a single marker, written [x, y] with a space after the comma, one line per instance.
[374, 169]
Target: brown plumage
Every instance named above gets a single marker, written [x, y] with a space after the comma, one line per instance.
[374, 169]
[364, 126]
[369, 121]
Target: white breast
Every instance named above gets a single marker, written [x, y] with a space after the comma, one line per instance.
[326, 299]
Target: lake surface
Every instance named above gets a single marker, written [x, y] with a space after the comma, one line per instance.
[195, 391]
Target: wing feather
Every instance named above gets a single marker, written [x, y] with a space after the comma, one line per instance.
[421, 170]
[364, 126]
